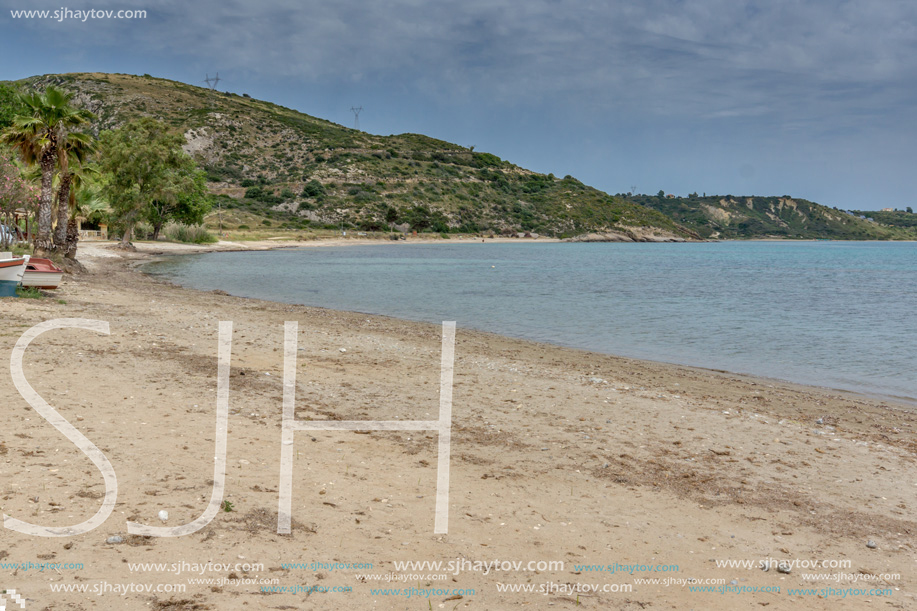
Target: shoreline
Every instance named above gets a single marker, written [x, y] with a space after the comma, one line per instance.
[558, 454]
[147, 253]
[146, 249]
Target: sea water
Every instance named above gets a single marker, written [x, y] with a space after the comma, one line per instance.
[833, 314]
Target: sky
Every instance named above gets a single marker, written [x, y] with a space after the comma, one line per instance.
[814, 99]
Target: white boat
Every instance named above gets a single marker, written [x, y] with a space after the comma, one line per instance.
[42, 274]
[11, 271]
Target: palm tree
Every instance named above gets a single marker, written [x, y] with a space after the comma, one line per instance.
[35, 137]
[76, 147]
[84, 200]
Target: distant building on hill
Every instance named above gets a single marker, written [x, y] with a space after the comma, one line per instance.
[887, 210]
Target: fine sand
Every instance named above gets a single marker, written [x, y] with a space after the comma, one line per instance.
[557, 455]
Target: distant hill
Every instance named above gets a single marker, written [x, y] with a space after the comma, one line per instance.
[301, 171]
[895, 218]
[736, 217]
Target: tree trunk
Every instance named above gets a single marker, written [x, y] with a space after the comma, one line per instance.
[126, 238]
[73, 237]
[156, 229]
[63, 211]
[43, 244]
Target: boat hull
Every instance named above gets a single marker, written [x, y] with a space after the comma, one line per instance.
[42, 280]
[42, 274]
[11, 272]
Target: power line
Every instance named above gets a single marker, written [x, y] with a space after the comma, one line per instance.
[212, 82]
[356, 117]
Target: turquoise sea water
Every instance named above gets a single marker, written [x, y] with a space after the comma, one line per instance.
[835, 314]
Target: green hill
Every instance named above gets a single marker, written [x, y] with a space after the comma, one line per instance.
[301, 171]
[894, 218]
[736, 217]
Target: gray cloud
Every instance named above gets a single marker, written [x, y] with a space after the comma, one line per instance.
[814, 74]
[717, 58]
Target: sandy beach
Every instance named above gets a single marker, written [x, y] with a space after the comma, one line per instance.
[585, 476]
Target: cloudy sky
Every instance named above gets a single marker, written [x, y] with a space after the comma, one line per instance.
[814, 99]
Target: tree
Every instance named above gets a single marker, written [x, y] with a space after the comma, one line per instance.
[184, 200]
[71, 147]
[910, 210]
[10, 105]
[35, 135]
[147, 172]
[391, 215]
[84, 200]
[16, 193]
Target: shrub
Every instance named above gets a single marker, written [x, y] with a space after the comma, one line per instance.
[142, 231]
[224, 173]
[486, 159]
[244, 227]
[28, 292]
[313, 188]
[371, 225]
[189, 234]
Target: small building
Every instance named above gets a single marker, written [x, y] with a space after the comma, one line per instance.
[89, 230]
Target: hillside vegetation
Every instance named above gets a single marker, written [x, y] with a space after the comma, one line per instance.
[732, 217]
[303, 172]
[896, 218]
